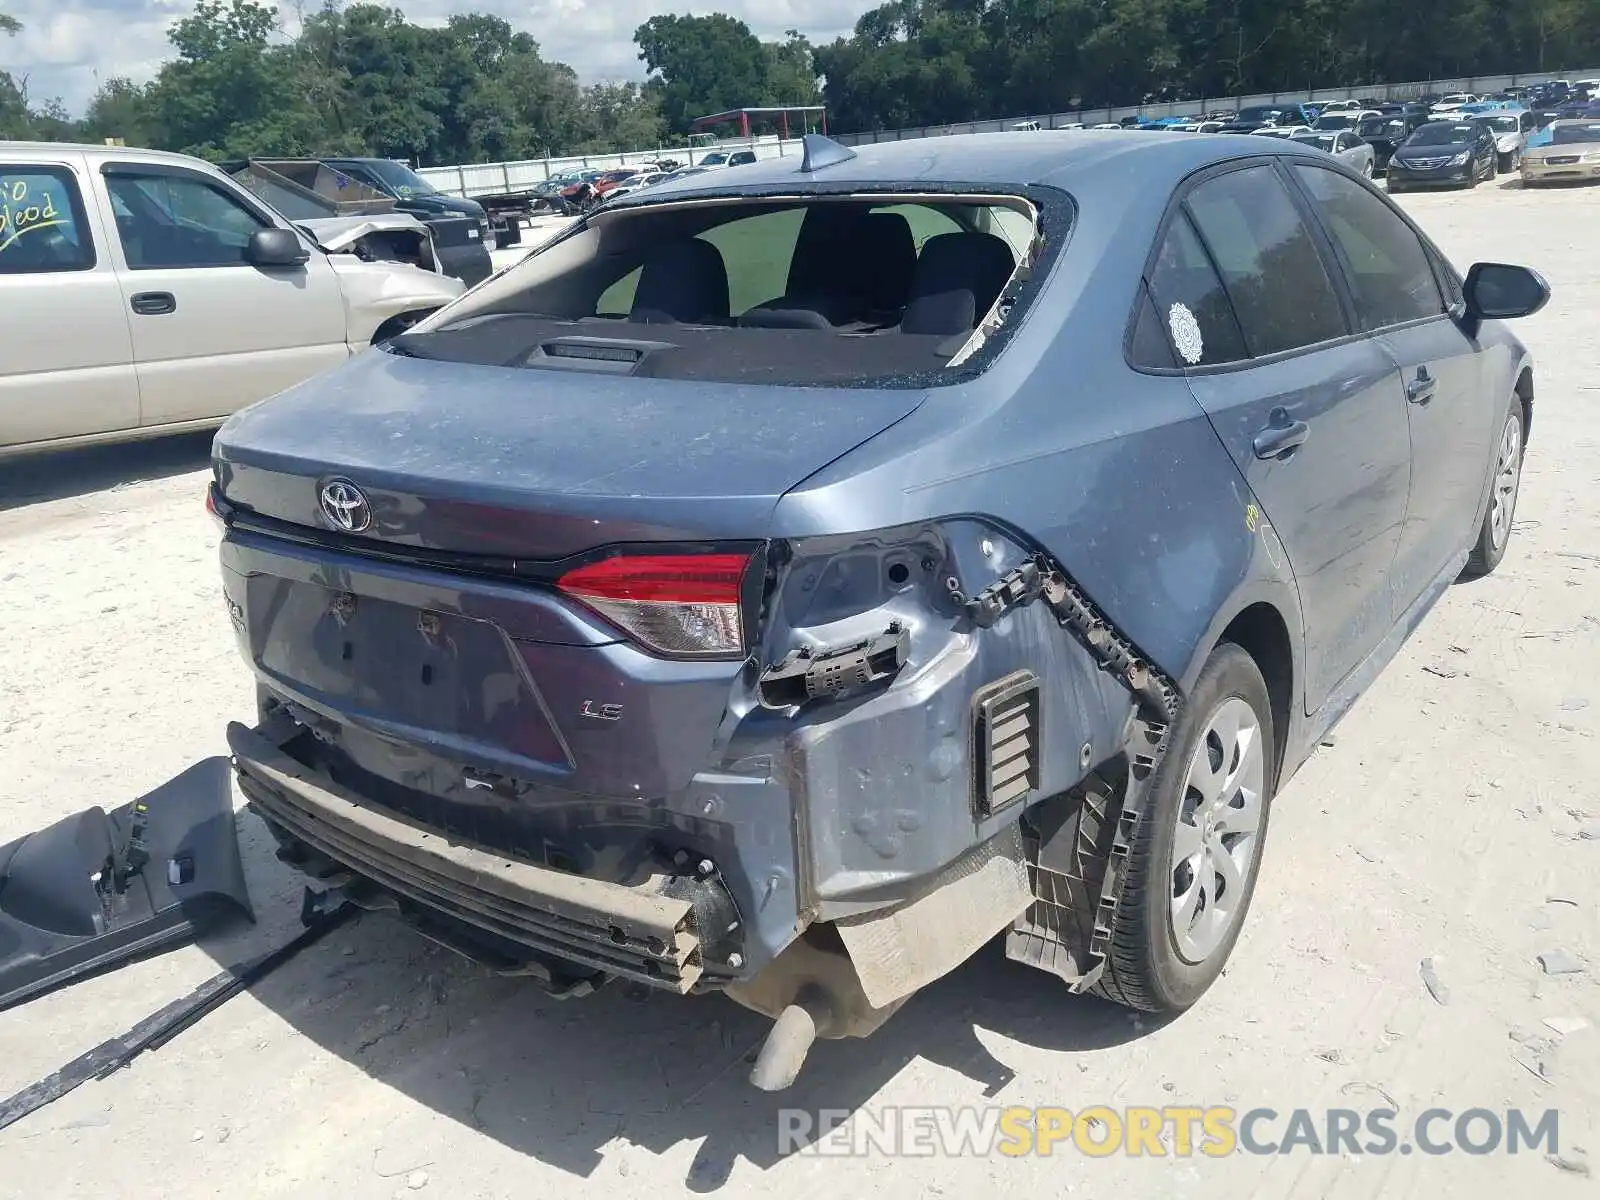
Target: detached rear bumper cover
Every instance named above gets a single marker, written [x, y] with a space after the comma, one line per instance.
[635, 932]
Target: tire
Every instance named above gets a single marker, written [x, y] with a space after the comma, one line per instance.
[1508, 163]
[1494, 535]
[1161, 960]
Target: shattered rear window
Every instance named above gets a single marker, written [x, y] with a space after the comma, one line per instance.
[847, 290]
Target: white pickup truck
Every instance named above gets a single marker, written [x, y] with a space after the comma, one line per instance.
[145, 293]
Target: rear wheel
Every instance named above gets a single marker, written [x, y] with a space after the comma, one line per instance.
[1508, 162]
[1494, 535]
[1197, 849]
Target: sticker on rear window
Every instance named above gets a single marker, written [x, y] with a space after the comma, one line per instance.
[1186, 334]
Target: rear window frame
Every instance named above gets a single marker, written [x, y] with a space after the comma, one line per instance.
[1055, 221]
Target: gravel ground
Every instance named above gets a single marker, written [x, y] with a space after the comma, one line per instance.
[1447, 823]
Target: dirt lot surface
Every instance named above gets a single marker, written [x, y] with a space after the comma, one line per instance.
[1447, 822]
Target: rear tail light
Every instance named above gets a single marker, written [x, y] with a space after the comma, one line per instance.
[211, 503]
[677, 604]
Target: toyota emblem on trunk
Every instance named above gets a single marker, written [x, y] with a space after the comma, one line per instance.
[344, 506]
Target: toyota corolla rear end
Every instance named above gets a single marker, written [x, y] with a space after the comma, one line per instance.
[542, 661]
[529, 635]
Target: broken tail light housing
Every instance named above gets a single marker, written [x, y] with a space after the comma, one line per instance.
[682, 605]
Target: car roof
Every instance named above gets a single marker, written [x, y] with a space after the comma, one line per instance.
[1005, 161]
[100, 153]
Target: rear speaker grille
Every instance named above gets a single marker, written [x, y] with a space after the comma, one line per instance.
[1005, 743]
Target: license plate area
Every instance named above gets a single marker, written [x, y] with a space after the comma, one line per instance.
[436, 671]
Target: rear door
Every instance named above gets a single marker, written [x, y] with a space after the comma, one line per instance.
[66, 355]
[1453, 417]
[212, 333]
[1310, 414]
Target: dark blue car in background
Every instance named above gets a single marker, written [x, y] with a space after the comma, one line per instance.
[790, 578]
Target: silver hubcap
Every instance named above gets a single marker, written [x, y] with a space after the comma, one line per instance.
[1219, 830]
[1507, 479]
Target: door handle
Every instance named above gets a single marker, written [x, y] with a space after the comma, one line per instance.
[1281, 437]
[153, 304]
[1420, 390]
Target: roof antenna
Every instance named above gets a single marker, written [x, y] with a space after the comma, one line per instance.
[823, 152]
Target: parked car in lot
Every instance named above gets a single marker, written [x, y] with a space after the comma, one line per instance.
[1330, 122]
[1572, 155]
[1444, 154]
[1385, 134]
[759, 595]
[634, 183]
[1343, 145]
[1282, 131]
[1452, 102]
[1254, 117]
[1511, 128]
[147, 293]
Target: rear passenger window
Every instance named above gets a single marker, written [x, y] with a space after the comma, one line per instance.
[42, 222]
[1191, 305]
[1389, 271]
[1269, 262]
[1150, 346]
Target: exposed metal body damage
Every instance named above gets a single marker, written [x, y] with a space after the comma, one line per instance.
[377, 237]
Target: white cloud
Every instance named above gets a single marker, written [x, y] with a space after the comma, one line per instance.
[68, 46]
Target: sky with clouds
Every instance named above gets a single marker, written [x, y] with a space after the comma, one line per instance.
[67, 46]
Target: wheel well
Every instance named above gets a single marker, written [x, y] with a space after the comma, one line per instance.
[1524, 390]
[400, 323]
[1260, 632]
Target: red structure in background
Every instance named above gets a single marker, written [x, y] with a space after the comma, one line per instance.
[743, 115]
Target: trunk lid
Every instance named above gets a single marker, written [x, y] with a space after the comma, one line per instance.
[539, 464]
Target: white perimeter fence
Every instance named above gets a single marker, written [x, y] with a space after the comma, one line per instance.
[489, 178]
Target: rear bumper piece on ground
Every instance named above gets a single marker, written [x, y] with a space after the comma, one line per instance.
[633, 932]
[58, 926]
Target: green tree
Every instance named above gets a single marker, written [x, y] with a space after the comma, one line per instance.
[791, 71]
[119, 108]
[701, 65]
[231, 91]
[621, 116]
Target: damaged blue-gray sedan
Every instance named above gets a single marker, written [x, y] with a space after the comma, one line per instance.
[792, 578]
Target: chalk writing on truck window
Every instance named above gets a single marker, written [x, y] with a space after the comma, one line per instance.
[23, 212]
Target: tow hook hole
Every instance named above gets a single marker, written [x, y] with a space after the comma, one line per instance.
[899, 573]
[1086, 756]
[618, 936]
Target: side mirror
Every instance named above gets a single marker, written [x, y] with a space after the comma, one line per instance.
[1500, 291]
[276, 248]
